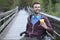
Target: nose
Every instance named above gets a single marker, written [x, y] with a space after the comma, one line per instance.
[38, 8]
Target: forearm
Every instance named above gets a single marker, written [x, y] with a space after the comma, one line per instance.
[48, 28]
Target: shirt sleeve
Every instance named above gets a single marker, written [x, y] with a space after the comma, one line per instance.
[49, 29]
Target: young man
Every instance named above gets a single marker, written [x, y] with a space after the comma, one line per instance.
[36, 29]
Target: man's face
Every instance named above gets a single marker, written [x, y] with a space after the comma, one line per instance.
[36, 8]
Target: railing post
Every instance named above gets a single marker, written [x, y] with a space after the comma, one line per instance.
[17, 9]
[7, 17]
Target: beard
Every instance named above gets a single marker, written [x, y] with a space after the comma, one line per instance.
[37, 11]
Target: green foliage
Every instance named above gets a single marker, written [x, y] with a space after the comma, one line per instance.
[9, 4]
[51, 7]
[5, 4]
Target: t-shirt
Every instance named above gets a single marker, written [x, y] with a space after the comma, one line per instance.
[34, 19]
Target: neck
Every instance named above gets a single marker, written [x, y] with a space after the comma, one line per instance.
[36, 13]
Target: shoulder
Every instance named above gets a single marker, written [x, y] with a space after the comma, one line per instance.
[29, 17]
[43, 16]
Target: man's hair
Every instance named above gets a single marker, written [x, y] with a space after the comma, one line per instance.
[35, 3]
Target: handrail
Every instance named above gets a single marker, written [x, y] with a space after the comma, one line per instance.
[11, 15]
[57, 33]
[5, 23]
[8, 12]
[49, 34]
[6, 17]
[53, 17]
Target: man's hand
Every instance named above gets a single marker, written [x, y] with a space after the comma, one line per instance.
[44, 25]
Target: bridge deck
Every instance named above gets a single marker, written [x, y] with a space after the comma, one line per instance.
[16, 26]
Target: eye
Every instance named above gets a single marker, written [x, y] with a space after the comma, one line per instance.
[35, 7]
[38, 6]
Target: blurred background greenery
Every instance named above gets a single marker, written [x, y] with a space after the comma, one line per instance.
[51, 7]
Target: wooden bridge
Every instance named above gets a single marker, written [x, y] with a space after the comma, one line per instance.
[13, 22]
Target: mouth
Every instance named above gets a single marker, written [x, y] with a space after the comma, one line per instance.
[37, 11]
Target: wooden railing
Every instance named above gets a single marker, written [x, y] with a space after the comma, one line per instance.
[6, 17]
[55, 22]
